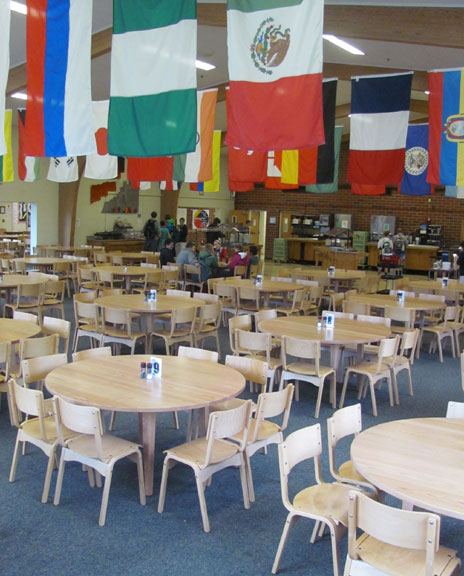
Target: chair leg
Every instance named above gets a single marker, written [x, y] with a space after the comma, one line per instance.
[176, 420]
[411, 392]
[390, 392]
[59, 479]
[164, 481]
[105, 496]
[374, 403]
[48, 475]
[334, 540]
[202, 500]
[143, 498]
[112, 420]
[395, 387]
[440, 349]
[248, 480]
[319, 397]
[14, 462]
[345, 384]
[283, 539]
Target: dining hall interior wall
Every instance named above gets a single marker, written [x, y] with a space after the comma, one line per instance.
[43, 193]
[410, 211]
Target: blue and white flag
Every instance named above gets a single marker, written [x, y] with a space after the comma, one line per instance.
[416, 162]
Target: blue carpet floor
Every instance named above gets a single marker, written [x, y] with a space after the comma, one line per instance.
[41, 539]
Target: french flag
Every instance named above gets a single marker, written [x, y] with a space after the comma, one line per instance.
[59, 102]
[379, 127]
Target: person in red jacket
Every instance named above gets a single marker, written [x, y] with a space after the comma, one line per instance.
[240, 258]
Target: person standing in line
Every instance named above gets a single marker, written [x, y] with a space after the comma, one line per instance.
[182, 230]
[385, 245]
[164, 235]
[151, 232]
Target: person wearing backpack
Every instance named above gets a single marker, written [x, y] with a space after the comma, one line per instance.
[399, 244]
[385, 245]
[151, 232]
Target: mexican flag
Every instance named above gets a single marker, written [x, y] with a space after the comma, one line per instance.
[153, 98]
[275, 71]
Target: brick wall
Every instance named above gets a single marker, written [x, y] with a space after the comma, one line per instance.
[410, 211]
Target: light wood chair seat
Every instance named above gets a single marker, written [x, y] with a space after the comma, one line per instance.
[196, 451]
[116, 327]
[181, 328]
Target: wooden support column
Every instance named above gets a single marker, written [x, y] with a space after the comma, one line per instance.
[168, 204]
[67, 207]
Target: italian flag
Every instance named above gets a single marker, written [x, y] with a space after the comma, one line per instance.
[153, 99]
[275, 71]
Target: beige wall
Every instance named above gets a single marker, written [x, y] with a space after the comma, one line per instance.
[43, 193]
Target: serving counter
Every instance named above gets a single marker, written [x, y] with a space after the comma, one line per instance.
[302, 249]
[418, 258]
[123, 245]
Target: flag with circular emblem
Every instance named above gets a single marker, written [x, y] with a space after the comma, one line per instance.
[275, 71]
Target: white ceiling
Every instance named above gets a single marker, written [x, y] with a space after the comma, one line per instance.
[212, 48]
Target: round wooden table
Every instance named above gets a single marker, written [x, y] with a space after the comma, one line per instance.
[344, 332]
[336, 278]
[16, 330]
[267, 287]
[419, 461]
[435, 285]
[114, 383]
[41, 262]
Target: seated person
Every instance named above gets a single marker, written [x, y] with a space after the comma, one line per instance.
[187, 256]
[254, 258]
[219, 251]
[240, 258]
[167, 254]
[208, 262]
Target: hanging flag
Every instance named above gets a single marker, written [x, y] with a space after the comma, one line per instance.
[28, 166]
[333, 186]
[379, 125]
[414, 181]
[150, 169]
[99, 191]
[454, 191]
[6, 161]
[446, 132]
[4, 65]
[63, 169]
[101, 166]
[274, 172]
[170, 185]
[153, 94]
[198, 166]
[59, 102]
[368, 189]
[275, 71]
[245, 168]
[197, 186]
[315, 165]
[213, 184]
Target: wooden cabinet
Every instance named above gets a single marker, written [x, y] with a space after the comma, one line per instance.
[372, 254]
[303, 249]
[294, 250]
[420, 258]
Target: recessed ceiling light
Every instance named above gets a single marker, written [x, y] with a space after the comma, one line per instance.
[342, 44]
[18, 7]
[19, 95]
[204, 65]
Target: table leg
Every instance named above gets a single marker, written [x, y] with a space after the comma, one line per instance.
[147, 431]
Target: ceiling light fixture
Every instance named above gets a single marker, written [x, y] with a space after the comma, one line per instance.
[204, 65]
[342, 44]
[19, 95]
[18, 7]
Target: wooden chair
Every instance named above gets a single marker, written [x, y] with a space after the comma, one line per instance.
[323, 502]
[336, 302]
[36, 347]
[192, 278]
[455, 410]
[108, 279]
[171, 276]
[178, 293]
[5, 356]
[207, 324]
[35, 370]
[103, 352]
[38, 429]
[258, 345]
[404, 359]
[86, 322]
[248, 299]
[443, 330]
[153, 280]
[53, 297]
[92, 448]
[402, 319]
[356, 308]
[197, 353]
[25, 317]
[64, 272]
[29, 298]
[116, 259]
[306, 367]
[296, 305]
[206, 297]
[228, 297]
[343, 423]
[116, 326]
[242, 322]
[264, 432]
[241, 271]
[62, 328]
[374, 372]
[255, 371]
[395, 541]
[181, 328]
[86, 280]
[211, 454]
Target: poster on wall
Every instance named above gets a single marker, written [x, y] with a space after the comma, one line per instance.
[200, 219]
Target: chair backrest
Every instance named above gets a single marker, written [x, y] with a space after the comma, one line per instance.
[112, 292]
[57, 326]
[400, 314]
[250, 342]
[33, 292]
[253, 369]
[198, 353]
[248, 293]
[149, 266]
[183, 316]
[36, 369]
[408, 344]
[455, 410]
[451, 296]
[270, 405]
[228, 423]
[342, 423]
[451, 314]
[210, 314]
[116, 316]
[5, 355]
[209, 298]
[336, 314]
[374, 319]
[433, 297]
[92, 353]
[264, 315]
[34, 347]
[224, 290]
[244, 322]
[25, 317]
[393, 526]
[81, 419]
[28, 401]
[87, 310]
[287, 279]
[299, 348]
[304, 282]
[353, 307]
[179, 293]
[54, 289]
[303, 444]
[241, 271]
[387, 349]
[116, 259]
